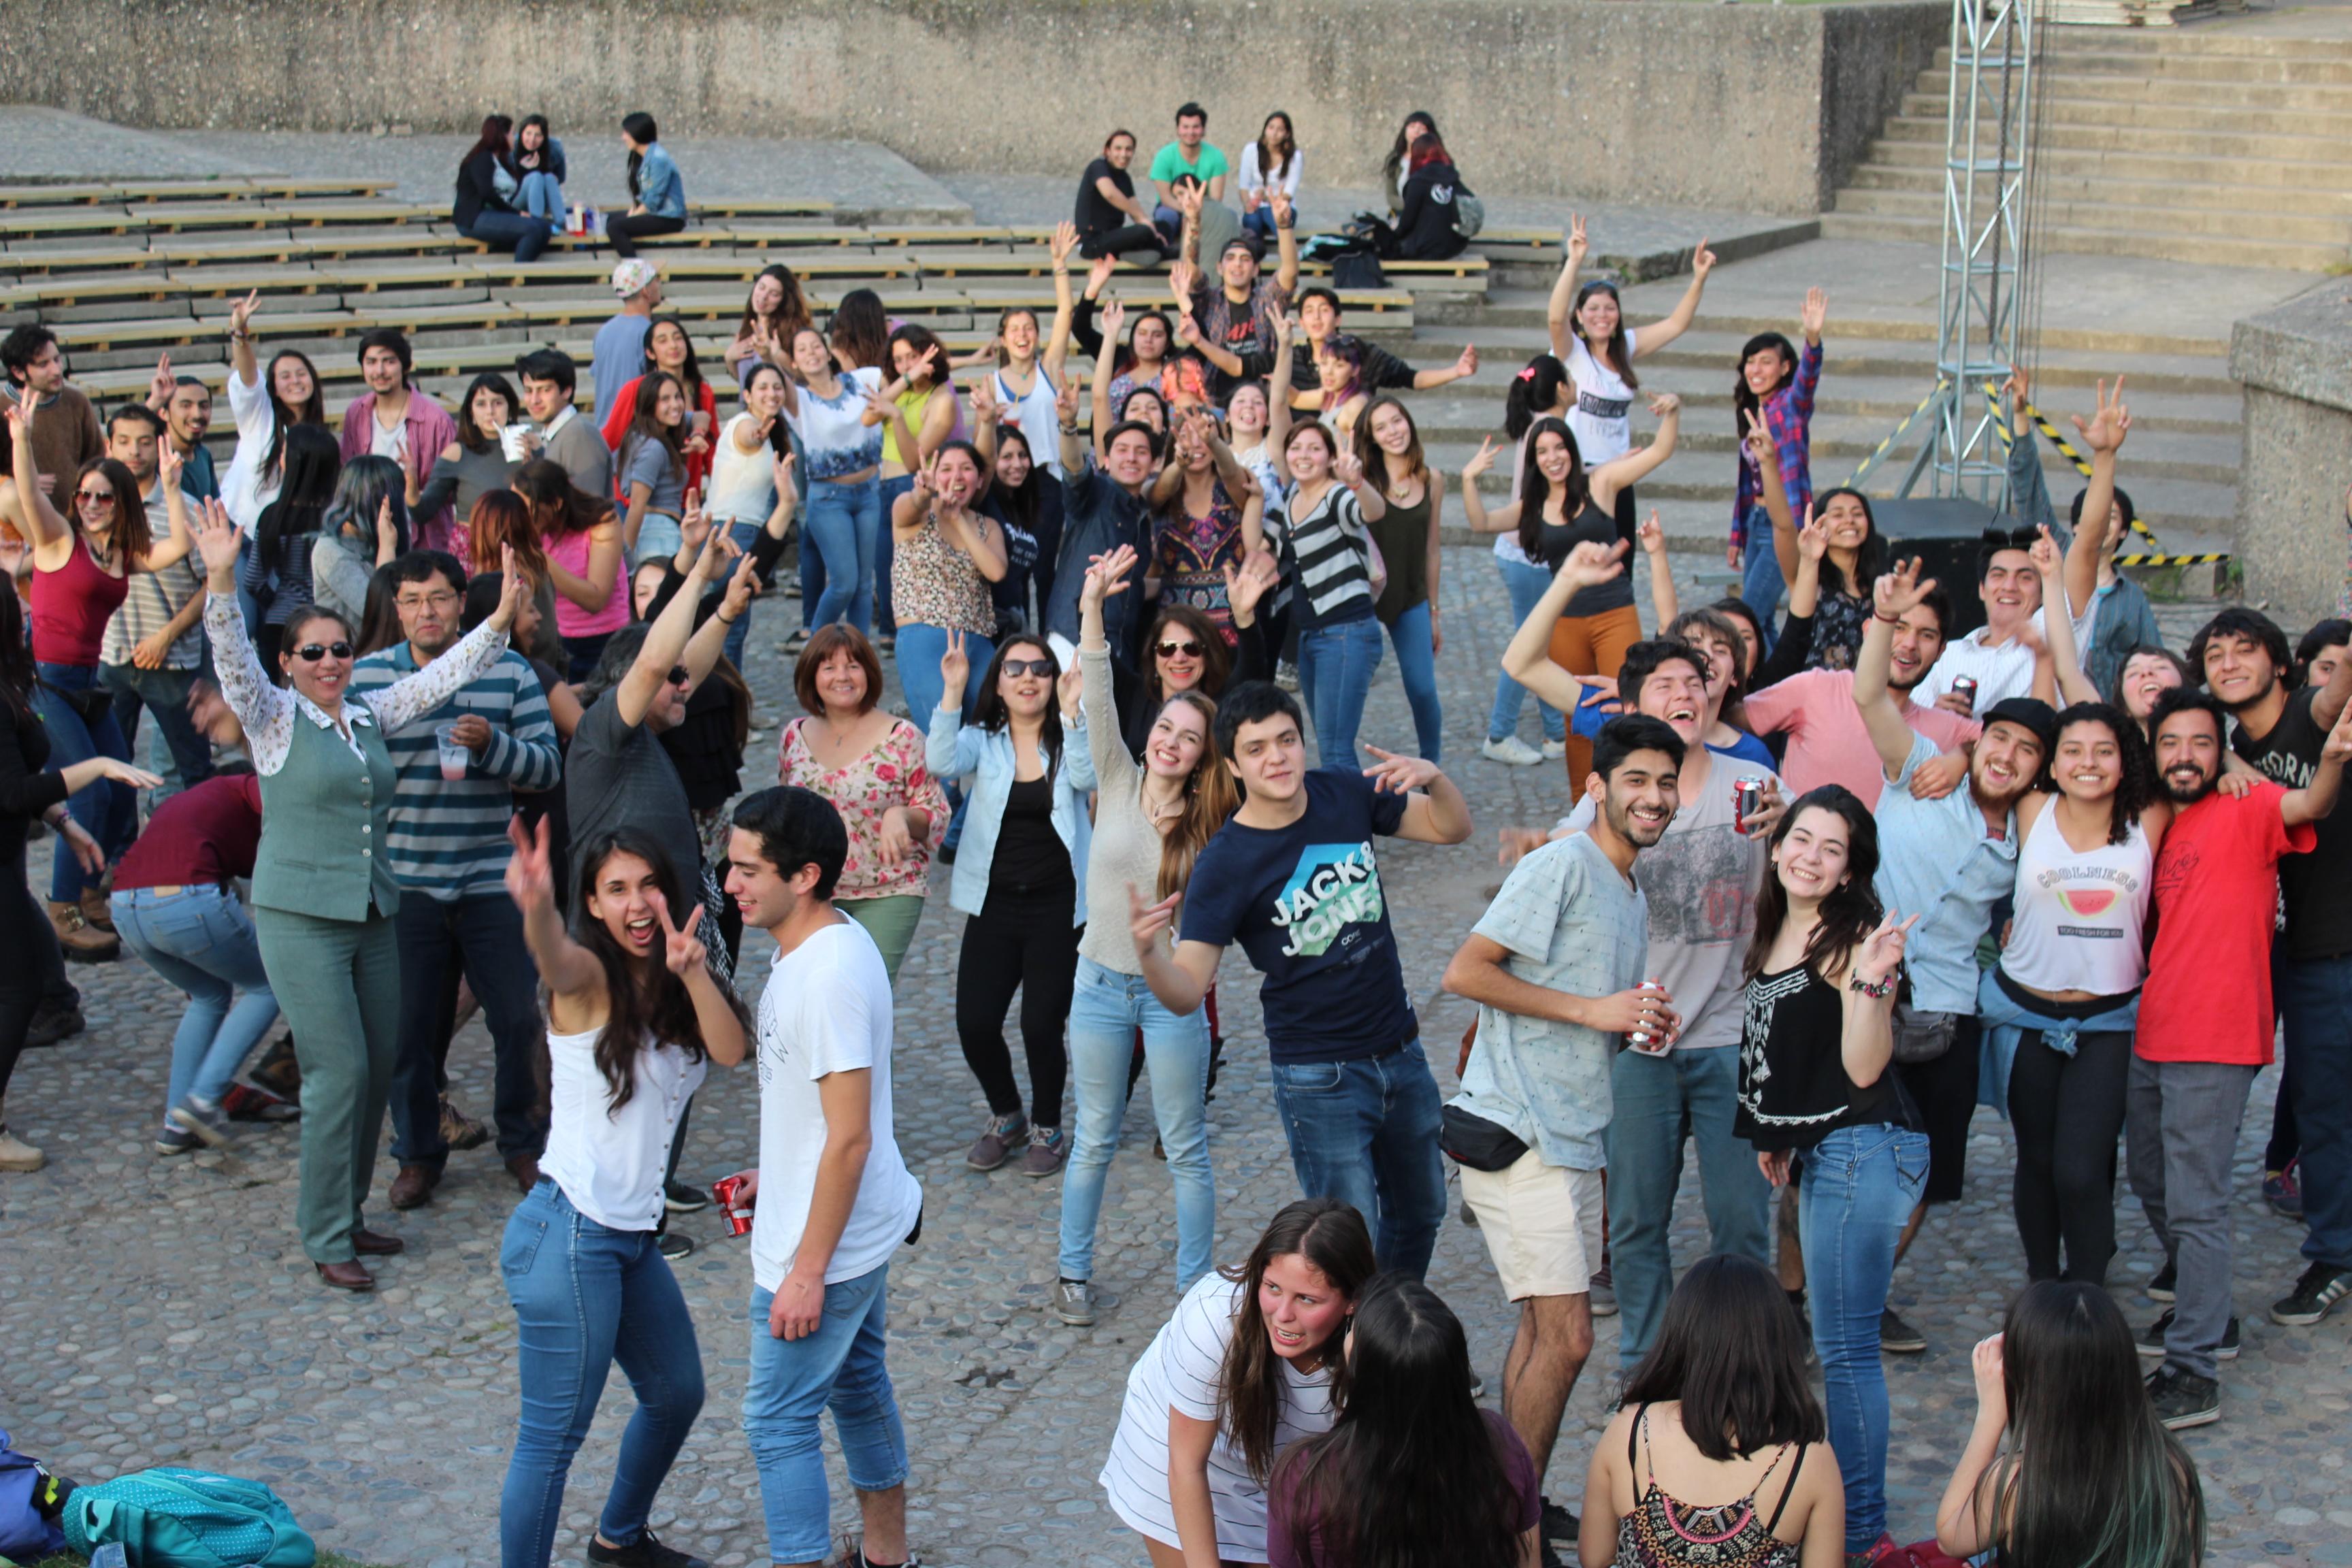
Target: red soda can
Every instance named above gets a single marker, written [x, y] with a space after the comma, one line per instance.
[724, 1190]
[1747, 800]
[1966, 686]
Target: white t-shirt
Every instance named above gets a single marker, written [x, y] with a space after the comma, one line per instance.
[827, 1010]
[1253, 180]
[245, 491]
[389, 441]
[2000, 671]
[1181, 1371]
[1603, 416]
[742, 484]
[835, 439]
[610, 1162]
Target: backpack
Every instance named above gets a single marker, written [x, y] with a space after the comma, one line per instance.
[1358, 269]
[28, 1493]
[175, 1518]
[1469, 214]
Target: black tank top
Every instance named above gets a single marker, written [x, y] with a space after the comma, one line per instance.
[1793, 1088]
[1591, 526]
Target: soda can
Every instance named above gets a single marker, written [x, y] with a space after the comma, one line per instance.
[1747, 800]
[723, 1191]
[1643, 1040]
[1966, 686]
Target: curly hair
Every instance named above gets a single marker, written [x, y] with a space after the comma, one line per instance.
[2136, 790]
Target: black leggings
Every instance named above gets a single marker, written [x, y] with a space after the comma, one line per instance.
[1135, 237]
[24, 927]
[623, 231]
[2068, 1112]
[1023, 939]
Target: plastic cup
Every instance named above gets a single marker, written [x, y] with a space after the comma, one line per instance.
[454, 754]
[514, 440]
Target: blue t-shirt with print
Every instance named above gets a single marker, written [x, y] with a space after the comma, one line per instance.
[1306, 904]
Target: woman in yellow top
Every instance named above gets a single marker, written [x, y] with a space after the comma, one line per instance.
[927, 410]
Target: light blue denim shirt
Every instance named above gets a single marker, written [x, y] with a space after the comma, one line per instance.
[660, 190]
[1936, 861]
[981, 761]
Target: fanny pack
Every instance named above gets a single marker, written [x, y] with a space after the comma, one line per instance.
[1921, 1036]
[1473, 1141]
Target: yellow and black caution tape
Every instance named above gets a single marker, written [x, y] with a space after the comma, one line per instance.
[2067, 450]
[2201, 558]
[1897, 433]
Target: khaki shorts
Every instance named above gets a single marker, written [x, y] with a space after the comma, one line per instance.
[1542, 1223]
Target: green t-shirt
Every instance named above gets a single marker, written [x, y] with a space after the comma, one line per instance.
[1169, 163]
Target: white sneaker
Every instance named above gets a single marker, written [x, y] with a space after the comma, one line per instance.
[1510, 751]
[17, 1155]
[1555, 750]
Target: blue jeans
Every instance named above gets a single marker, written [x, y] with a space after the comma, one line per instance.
[1335, 676]
[585, 1296]
[841, 1367]
[1760, 583]
[541, 197]
[526, 236]
[1661, 1103]
[201, 941]
[1365, 1132]
[885, 551]
[1525, 585]
[1259, 221]
[1106, 1010]
[920, 647]
[109, 810]
[658, 539]
[1417, 664]
[480, 936]
[1859, 1187]
[841, 529]
[2315, 1000]
[744, 534]
[165, 693]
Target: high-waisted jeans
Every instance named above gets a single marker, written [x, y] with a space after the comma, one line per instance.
[838, 529]
[108, 809]
[203, 942]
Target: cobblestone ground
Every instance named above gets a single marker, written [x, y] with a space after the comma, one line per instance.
[160, 1310]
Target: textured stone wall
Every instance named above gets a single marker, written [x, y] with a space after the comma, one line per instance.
[1754, 107]
[2296, 364]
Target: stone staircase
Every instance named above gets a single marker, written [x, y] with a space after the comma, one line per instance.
[2196, 145]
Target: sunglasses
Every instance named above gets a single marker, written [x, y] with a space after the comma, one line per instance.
[95, 498]
[1171, 649]
[311, 653]
[1017, 668]
[678, 677]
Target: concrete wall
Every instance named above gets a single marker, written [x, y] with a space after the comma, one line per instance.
[2296, 364]
[1752, 107]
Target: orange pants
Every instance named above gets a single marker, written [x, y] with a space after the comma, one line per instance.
[1592, 646]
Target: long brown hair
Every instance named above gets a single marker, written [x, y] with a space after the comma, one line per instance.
[1330, 1236]
[130, 538]
[791, 316]
[1375, 457]
[661, 1007]
[558, 509]
[1850, 912]
[645, 423]
[1211, 798]
[1535, 490]
[503, 518]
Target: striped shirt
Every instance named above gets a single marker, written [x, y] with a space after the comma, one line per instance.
[1326, 552]
[153, 599]
[448, 839]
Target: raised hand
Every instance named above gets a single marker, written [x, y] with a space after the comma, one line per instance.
[1815, 315]
[782, 469]
[2337, 747]
[710, 561]
[694, 522]
[1701, 260]
[1066, 399]
[1666, 403]
[1881, 949]
[1348, 468]
[514, 588]
[168, 464]
[1812, 540]
[742, 587]
[1466, 364]
[2109, 425]
[2044, 553]
[387, 531]
[1651, 533]
[1758, 441]
[240, 314]
[1285, 329]
[1592, 562]
[682, 950]
[1106, 576]
[1900, 590]
[984, 409]
[1280, 203]
[1114, 317]
[1397, 774]
[1483, 461]
[1188, 330]
[1184, 281]
[955, 667]
[1070, 686]
[1064, 240]
[530, 869]
[1579, 245]
[2019, 390]
[1099, 274]
[926, 479]
[161, 384]
[217, 541]
[1991, 1379]
[1246, 588]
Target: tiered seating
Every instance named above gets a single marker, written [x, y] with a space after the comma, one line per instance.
[129, 270]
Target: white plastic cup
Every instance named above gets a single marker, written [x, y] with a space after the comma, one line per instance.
[454, 754]
[514, 440]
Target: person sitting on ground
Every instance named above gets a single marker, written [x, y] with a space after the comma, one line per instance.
[535, 161]
[1253, 1360]
[1424, 216]
[1725, 1383]
[1111, 221]
[2090, 1476]
[483, 213]
[657, 192]
[1412, 1471]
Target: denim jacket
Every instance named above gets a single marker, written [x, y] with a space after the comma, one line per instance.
[982, 761]
[661, 190]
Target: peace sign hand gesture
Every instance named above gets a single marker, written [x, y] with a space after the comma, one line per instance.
[1481, 462]
[241, 313]
[682, 950]
[2110, 425]
[1900, 590]
[530, 871]
[1579, 245]
[1812, 540]
[1882, 951]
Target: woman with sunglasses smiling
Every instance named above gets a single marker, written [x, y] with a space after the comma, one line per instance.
[81, 574]
[323, 893]
[1020, 875]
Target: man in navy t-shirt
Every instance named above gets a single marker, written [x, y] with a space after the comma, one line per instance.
[1293, 879]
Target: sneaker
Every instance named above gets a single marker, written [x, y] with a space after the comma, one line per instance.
[1511, 752]
[2151, 1340]
[1554, 750]
[279, 1072]
[1073, 1303]
[2315, 1295]
[996, 1145]
[795, 642]
[1896, 1335]
[243, 1102]
[645, 1551]
[17, 1155]
[53, 1021]
[459, 1130]
[679, 1198]
[672, 1245]
[176, 1141]
[1880, 1550]
[1558, 1528]
[1601, 1292]
[205, 1119]
[2183, 1398]
[2284, 1193]
[1047, 1150]
[1286, 675]
[2160, 1283]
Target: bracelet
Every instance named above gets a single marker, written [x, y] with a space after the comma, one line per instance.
[237, 336]
[723, 618]
[1070, 429]
[1890, 620]
[1860, 987]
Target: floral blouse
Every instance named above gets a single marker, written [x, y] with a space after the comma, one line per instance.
[891, 773]
[1189, 555]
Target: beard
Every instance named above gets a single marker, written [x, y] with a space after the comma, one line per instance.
[2188, 795]
[1638, 833]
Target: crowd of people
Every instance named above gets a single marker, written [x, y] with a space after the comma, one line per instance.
[459, 696]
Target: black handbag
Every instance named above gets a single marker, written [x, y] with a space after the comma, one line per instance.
[1922, 1036]
[1473, 1141]
[1358, 269]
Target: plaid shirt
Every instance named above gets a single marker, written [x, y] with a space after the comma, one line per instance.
[1789, 414]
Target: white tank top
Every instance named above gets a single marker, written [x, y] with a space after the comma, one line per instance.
[742, 484]
[2078, 918]
[1603, 415]
[610, 1162]
[1032, 411]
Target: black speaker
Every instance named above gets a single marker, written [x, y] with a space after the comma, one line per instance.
[1946, 535]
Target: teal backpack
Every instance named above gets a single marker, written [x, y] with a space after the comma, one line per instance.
[173, 1518]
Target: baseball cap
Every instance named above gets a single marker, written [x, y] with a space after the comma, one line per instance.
[631, 276]
[2027, 712]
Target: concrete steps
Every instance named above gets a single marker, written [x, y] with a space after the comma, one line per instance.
[2198, 145]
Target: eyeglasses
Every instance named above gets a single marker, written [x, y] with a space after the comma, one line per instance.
[1171, 649]
[441, 601]
[311, 653]
[679, 677]
[1021, 667]
[95, 498]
